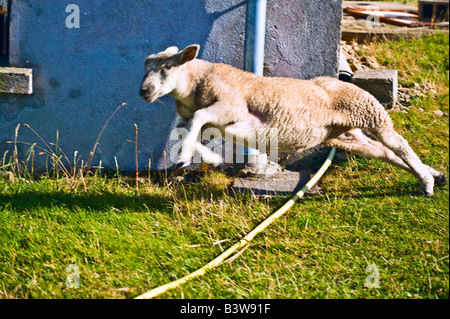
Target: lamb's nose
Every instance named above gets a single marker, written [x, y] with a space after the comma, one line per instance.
[142, 92]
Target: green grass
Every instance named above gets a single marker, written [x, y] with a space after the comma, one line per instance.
[423, 60]
[126, 242]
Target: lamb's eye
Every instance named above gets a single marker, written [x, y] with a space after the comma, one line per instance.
[168, 66]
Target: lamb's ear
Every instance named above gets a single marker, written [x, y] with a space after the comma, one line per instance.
[189, 53]
[171, 50]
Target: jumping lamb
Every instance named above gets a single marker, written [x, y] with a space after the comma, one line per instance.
[304, 113]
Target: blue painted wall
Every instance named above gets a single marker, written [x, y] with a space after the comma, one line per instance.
[82, 75]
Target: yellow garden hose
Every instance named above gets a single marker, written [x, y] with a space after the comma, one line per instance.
[245, 240]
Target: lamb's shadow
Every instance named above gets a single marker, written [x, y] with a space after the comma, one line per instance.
[101, 202]
[106, 201]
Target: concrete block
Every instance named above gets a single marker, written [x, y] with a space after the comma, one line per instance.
[433, 10]
[383, 84]
[16, 80]
[285, 182]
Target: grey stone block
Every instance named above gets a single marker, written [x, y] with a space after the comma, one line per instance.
[433, 10]
[16, 80]
[383, 84]
[285, 182]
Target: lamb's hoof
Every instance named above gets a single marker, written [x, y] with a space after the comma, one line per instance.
[178, 166]
[426, 193]
[440, 180]
[217, 166]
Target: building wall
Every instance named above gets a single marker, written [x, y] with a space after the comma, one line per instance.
[82, 74]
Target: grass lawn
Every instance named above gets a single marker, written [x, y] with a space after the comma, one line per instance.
[370, 218]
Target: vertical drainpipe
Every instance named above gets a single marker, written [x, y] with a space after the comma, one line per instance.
[345, 72]
[255, 32]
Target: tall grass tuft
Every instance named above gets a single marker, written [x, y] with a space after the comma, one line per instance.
[57, 164]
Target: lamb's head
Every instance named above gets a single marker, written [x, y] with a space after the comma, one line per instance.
[162, 70]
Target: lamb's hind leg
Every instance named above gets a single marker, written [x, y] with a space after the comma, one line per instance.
[356, 142]
[396, 143]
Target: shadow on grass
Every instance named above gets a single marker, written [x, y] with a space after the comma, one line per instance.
[29, 200]
[101, 202]
[412, 191]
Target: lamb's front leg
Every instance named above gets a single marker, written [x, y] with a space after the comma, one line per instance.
[206, 154]
[219, 114]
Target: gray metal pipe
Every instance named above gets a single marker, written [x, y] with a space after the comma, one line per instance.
[255, 34]
[345, 72]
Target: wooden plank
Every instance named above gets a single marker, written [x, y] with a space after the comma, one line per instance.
[16, 80]
[389, 16]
